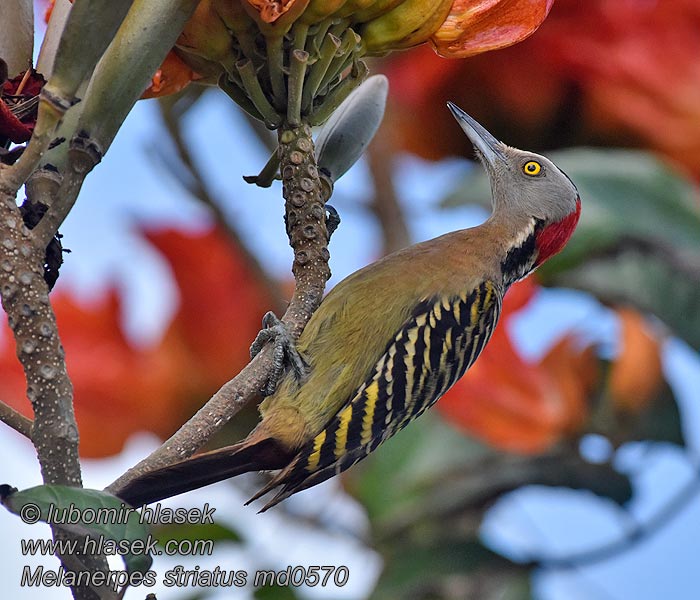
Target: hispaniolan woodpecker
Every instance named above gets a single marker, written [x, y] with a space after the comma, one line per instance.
[391, 339]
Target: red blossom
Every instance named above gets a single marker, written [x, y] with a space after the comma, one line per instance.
[17, 111]
[621, 73]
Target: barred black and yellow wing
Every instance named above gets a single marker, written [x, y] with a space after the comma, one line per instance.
[435, 346]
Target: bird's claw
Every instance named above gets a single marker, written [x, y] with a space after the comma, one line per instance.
[332, 220]
[284, 352]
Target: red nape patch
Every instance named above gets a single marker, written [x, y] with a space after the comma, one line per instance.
[554, 237]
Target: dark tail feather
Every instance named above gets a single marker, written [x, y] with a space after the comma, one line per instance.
[204, 469]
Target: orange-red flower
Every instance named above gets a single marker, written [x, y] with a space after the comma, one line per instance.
[620, 73]
[636, 376]
[119, 389]
[172, 76]
[17, 112]
[475, 26]
[222, 302]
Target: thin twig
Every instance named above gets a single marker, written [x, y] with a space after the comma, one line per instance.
[334, 98]
[16, 420]
[316, 73]
[385, 203]
[267, 174]
[297, 71]
[25, 78]
[246, 70]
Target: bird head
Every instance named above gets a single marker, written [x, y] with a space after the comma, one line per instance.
[526, 185]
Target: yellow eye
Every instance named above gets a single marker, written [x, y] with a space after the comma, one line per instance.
[532, 168]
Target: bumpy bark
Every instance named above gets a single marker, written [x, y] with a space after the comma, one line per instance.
[25, 298]
[306, 225]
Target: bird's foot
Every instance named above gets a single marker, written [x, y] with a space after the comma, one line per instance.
[284, 352]
[332, 220]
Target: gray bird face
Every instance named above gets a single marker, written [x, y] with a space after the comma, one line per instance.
[521, 182]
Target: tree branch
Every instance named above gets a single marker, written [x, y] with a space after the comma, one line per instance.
[16, 420]
[25, 298]
[306, 227]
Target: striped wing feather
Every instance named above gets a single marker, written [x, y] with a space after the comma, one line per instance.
[435, 346]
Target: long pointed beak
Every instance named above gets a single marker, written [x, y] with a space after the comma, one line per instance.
[488, 146]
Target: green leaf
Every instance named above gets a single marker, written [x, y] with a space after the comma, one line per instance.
[275, 592]
[578, 474]
[86, 512]
[657, 419]
[431, 473]
[660, 421]
[391, 478]
[201, 595]
[467, 493]
[450, 568]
